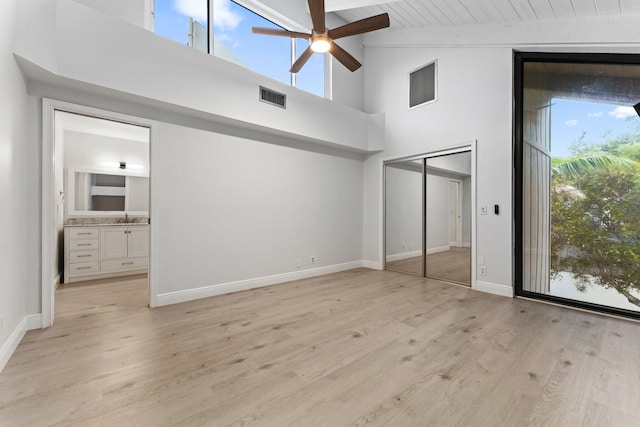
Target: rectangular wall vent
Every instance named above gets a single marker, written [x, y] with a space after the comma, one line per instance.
[423, 85]
[272, 97]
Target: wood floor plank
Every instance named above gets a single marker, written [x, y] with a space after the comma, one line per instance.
[356, 348]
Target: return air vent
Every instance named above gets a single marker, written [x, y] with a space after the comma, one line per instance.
[272, 97]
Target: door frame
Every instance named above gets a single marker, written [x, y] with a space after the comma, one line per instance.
[519, 60]
[48, 280]
[470, 146]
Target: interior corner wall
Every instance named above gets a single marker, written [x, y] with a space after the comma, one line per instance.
[231, 209]
[19, 183]
[474, 103]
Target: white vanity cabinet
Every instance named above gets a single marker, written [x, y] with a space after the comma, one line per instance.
[124, 248]
[105, 251]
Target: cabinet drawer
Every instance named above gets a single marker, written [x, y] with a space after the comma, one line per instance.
[83, 245]
[83, 256]
[83, 233]
[124, 264]
[82, 268]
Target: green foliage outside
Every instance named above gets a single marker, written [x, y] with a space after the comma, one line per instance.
[595, 215]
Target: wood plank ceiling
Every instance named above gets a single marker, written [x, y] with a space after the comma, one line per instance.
[434, 13]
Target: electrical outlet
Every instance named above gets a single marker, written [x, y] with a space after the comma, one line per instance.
[403, 246]
[313, 259]
[298, 263]
[483, 210]
[1, 323]
[482, 270]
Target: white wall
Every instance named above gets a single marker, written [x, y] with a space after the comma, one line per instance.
[19, 178]
[231, 209]
[132, 11]
[474, 102]
[88, 151]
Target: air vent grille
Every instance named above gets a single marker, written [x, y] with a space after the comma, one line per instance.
[422, 85]
[272, 97]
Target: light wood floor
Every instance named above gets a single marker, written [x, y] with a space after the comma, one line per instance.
[453, 265]
[355, 348]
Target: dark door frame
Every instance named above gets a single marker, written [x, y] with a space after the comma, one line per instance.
[519, 59]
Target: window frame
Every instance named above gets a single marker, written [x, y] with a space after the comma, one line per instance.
[281, 21]
[519, 60]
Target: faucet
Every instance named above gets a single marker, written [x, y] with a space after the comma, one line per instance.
[126, 217]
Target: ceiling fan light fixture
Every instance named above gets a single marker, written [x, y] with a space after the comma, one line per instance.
[322, 39]
[320, 45]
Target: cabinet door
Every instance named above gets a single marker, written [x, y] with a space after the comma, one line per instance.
[138, 242]
[113, 242]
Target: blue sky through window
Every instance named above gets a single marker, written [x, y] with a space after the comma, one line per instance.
[235, 42]
[598, 122]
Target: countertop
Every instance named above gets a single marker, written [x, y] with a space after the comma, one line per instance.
[106, 222]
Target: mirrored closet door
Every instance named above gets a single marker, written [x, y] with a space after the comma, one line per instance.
[428, 216]
[404, 216]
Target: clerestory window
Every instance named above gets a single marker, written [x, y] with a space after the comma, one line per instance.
[188, 22]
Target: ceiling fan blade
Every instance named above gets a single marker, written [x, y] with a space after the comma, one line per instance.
[283, 33]
[344, 57]
[362, 26]
[316, 8]
[301, 60]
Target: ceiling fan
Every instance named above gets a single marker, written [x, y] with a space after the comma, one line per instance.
[322, 38]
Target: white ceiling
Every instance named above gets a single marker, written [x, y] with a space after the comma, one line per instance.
[437, 13]
[95, 126]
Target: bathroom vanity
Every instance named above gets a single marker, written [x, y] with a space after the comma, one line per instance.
[95, 251]
[106, 227]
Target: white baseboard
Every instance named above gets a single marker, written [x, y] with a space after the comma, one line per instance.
[243, 285]
[374, 265]
[34, 321]
[28, 323]
[462, 245]
[403, 255]
[7, 349]
[494, 288]
[438, 249]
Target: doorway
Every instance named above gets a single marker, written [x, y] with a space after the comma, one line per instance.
[97, 168]
[428, 205]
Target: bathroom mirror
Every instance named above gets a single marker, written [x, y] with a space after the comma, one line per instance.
[99, 193]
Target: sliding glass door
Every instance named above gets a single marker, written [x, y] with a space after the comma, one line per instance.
[428, 216]
[578, 180]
